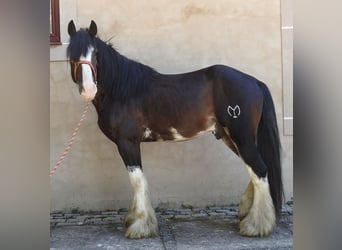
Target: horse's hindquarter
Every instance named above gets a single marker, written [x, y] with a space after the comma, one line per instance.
[237, 95]
[179, 107]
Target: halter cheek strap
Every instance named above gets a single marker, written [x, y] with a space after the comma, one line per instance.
[78, 63]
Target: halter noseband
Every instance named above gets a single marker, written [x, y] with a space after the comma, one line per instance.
[78, 63]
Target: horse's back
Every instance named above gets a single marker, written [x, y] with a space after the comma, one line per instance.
[179, 106]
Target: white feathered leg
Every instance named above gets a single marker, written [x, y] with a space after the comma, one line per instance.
[246, 201]
[261, 218]
[140, 219]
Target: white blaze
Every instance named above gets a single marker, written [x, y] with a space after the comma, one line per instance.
[89, 87]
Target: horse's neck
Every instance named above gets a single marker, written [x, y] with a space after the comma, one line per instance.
[103, 95]
[108, 57]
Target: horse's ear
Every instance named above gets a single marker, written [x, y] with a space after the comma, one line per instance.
[71, 28]
[92, 29]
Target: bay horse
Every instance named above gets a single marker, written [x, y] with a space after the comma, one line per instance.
[137, 104]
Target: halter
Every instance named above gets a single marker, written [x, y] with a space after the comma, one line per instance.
[78, 63]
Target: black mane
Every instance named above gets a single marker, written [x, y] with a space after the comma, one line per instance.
[123, 78]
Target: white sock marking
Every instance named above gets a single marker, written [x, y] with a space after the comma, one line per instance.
[261, 217]
[142, 219]
[139, 184]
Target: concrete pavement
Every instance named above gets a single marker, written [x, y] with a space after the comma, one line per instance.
[186, 228]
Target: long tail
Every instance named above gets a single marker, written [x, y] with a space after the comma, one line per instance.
[269, 146]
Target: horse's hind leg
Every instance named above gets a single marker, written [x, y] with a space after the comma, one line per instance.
[140, 220]
[256, 209]
[260, 219]
[246, 200]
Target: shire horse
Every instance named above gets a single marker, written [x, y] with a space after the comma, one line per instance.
[137, 104]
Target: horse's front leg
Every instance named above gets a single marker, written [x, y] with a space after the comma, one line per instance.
[140, 220]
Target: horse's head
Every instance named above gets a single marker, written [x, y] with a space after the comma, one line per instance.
[82, 56]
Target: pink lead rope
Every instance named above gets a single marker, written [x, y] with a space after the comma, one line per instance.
[72, 139]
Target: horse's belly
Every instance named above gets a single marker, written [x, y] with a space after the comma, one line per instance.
[172, 134]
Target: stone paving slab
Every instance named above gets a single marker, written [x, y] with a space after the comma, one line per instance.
[224, 234]
[109, 236]
[198, 228]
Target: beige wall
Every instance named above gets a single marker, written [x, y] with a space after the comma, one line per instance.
[172, 37]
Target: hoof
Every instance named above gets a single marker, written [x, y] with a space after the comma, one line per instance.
[141, 228]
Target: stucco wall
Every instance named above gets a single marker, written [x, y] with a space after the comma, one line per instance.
[172, 37]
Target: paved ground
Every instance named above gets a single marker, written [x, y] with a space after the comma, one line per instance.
[198, 228]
